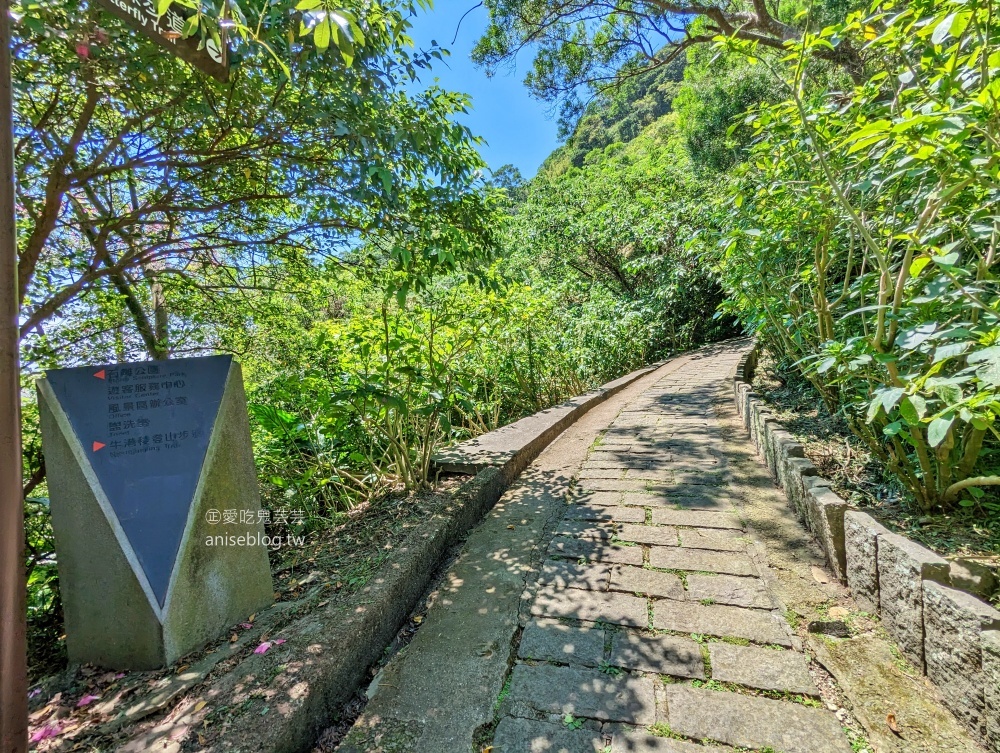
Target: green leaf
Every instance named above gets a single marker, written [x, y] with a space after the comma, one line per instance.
[943, 352]
[943, 29]
[866, 142]
[918, 264]
[938, 430]
[986, 354]
[909, 412]
[959, 22]
[947, 260]
[321, 35]
[346, 49]
[876, 127]
[950, 393]
[989, 373]
[162, 6]
[890, 397]
[873, 409]
[893, 429]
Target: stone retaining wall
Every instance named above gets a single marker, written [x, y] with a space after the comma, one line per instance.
[929, 605]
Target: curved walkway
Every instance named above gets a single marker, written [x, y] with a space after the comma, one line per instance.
[613, 601]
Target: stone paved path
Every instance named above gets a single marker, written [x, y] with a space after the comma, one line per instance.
[652, 611]
[648, 622]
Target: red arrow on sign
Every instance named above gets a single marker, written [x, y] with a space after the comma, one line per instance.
[100, 374]
[99, 446]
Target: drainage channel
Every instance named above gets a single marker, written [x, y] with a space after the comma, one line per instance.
[331, 737]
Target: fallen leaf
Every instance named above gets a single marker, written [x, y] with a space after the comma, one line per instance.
[199, 706]
[252, 617]
[819, 576]
[201, 739]
[86, 700]
[49, 730]
[890, 719]
[233, 638]
[510, 528]
[182, 667]
[418, 619]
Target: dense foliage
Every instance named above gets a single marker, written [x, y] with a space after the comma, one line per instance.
[583, 47]
[861, 234]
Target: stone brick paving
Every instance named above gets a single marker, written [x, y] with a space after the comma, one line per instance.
[651, 626]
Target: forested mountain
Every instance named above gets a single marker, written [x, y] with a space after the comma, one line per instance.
[619, 114]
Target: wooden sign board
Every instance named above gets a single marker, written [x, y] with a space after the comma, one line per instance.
[165, 30]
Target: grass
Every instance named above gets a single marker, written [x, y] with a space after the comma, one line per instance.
[735, 641]
[793, 619]
[901, 662]
[775, 695]
[609, 669]
[662, 729]
[502, 696]
[682, 574]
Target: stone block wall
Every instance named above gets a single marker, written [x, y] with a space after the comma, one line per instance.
[931, 607]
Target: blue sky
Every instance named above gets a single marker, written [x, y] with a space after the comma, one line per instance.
[518, 129]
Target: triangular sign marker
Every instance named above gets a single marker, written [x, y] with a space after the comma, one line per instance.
[157, 419]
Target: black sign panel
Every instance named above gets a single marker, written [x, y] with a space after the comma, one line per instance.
[166, 30]
[145, 428]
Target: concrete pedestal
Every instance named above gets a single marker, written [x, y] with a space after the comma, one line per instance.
[148, 465]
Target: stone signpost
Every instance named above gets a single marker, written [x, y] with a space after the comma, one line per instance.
[147, 463]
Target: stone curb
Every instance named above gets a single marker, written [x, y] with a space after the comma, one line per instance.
[511, 448]
[331, 648]
[928, 605]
